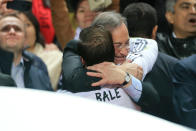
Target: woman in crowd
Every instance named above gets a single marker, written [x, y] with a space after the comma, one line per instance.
[35, 44]
[82, 14]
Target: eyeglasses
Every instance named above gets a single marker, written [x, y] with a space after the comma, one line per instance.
[120, 46]
[8, 28]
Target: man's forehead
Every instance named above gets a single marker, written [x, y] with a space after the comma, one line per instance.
[185, 1]
[120, 34]
[11, 20]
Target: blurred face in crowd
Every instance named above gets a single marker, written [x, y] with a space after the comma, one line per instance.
[12, 34]
[120, 37]
[183, 18]
[84, 15]
[30, 31]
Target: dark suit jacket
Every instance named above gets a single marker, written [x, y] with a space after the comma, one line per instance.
[176, 47]
[74, 74]
[5, 66]
[6, 59]
[184, 97]
[161, 80]
[6, 80]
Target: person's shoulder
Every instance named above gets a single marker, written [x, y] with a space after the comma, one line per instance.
[166, 58]
[184, 71]
[34, 61]
[185, 67]
[73, 45]
[32, 58]
[189, 62]
[189, 59]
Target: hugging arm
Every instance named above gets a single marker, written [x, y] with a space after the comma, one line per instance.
[62, 25]
[74, 74]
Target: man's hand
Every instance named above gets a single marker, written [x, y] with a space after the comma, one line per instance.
[132, 69]
[3, 2]
[3, 6]
[110, 73]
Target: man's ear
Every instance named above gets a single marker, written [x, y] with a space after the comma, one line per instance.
[82, 60]
[154, 32]
[170, 17]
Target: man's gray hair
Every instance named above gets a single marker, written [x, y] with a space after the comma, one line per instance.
[170, 5]
[109, 20]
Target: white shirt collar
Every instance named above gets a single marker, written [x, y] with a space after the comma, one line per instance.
[173, 34]
[78, 30]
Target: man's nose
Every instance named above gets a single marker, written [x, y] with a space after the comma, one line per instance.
[124, 51]
[12, 30]
[193, 10]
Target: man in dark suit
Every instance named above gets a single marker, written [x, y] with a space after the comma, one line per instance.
[160, 76]
[184, 94]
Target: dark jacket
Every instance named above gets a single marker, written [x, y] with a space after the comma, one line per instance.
[74, 74]
[184, 94]
[161, 79]
[35, 73]
[6, 59]
[178, 48]
[6, 80]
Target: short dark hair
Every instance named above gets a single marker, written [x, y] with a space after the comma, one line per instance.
[141, 19]
[74, 4]
[34, 21]
[96, 45]
[123, 3]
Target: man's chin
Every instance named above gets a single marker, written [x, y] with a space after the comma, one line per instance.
[119, 60]
[10, 47]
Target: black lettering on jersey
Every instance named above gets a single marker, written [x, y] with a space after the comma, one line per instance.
[108, 95]
[105, 95]
[112, 97]
[117, 93]
[98, 96]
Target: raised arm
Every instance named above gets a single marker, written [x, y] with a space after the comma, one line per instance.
[74, 74]
[114, 75]
[62, 25]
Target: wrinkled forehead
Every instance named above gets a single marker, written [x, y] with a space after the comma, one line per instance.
[186, 1]
[11, 21]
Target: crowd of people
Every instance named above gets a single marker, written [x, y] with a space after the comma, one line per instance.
[122, 54]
